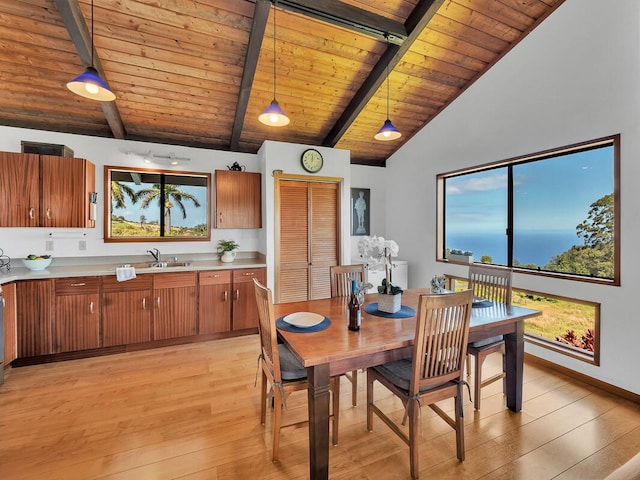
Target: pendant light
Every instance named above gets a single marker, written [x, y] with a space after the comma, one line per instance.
[273, 115]
[89, 84]
[388, 131]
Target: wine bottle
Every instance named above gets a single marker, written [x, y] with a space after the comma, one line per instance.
[355, 315]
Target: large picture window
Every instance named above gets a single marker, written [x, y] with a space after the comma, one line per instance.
[145, 204]
[555, 212]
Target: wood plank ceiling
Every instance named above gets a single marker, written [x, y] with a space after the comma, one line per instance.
[199, 72]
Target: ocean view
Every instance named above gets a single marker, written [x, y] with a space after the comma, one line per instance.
[534, 247]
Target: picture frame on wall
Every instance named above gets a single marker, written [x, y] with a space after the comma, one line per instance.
[360, 211]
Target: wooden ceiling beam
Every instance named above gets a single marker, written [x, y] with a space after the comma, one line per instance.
[350, 17]
[81, 37]
[416, 22]
[258, 27]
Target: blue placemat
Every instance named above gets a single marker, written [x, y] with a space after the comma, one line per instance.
[404, 312]
[287, 327]
[482, 304]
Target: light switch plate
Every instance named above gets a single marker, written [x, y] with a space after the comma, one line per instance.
[49, 246]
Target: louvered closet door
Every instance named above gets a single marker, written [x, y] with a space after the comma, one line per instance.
[308, 239]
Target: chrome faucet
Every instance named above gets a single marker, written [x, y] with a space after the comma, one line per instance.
[155, 253]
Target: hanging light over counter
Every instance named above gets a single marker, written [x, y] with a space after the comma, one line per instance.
[273, 115]
[89, 84]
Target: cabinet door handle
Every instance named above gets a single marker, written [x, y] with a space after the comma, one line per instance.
[48, 214]
[144, 303]
[31, 213]
[77, 284]
[236, 296]
[158, 301]
[220, 216]
[226, 294]
[91, 307]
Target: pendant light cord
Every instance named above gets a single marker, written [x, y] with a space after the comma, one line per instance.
[275, 9]
[92, 34]
[386, 36]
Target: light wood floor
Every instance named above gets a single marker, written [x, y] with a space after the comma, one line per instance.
[192, 412]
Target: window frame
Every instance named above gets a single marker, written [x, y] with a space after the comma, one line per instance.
[160, 238]
[613, 140]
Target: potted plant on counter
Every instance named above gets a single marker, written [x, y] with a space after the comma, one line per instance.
[377, 252]
[227, 250]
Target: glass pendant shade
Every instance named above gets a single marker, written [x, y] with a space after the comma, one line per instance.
[274, 116]
[89, 85]
[387, 132]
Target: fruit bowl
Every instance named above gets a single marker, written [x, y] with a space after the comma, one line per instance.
[37, 264]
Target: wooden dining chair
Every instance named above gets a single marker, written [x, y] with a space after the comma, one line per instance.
[494, 284]
[340, 280]
[282, 371]
[433, 373]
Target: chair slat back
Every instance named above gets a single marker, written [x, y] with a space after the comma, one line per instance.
[442, 331]
[341, 277]
[267, 330]
[491, 283]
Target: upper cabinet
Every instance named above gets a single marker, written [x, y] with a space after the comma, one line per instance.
[238, 199]
[45, 190]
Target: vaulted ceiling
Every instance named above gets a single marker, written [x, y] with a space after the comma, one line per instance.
[199, 72]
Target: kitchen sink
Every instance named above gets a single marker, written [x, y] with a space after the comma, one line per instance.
[171, 264]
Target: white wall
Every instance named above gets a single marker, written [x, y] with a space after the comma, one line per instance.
[574, 78]
[286, 157]
[18, 242]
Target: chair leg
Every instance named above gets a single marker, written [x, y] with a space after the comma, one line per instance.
[459, 424]
[369, 402]
[468, 365]
[336, 409]
[354, 388]
[477, 382]
[263, 398]
[277, 421]
[413, 439]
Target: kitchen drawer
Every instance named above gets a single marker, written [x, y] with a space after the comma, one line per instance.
[77, 285]
[215, 277]
[244, 275]
[174, 280]
[141, 282]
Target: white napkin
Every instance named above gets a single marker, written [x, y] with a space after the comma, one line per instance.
[125, 273]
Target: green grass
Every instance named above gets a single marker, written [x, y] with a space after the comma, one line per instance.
[557, 317]
[124, 228]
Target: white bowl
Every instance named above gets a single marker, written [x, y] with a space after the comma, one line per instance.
[37, 264]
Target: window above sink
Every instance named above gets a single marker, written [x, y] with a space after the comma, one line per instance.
[159, 205]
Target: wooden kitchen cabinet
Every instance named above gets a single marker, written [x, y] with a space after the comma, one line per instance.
[238, 199]
[77, 318]
[126, 310]
[244, 308]
[34, 299]
[214, 293]
[19, 189]
[45, 190]
[175, 304]
[10, 333]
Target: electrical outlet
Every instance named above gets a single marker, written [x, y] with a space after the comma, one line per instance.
[49, 246]
[82, 245]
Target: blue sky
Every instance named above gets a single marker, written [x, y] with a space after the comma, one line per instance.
[195, 215]
[556, 197]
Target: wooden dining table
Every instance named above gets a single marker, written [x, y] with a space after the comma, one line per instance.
[337, 350]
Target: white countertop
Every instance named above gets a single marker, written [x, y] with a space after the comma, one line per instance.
[95, 266]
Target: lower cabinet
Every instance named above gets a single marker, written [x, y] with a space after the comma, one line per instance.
[244, 309]
[175, 305]
[83, 313]
[227, 299]
[126, 310]
[76, 324]
[214, 292]
[34, 299]
[10, 333]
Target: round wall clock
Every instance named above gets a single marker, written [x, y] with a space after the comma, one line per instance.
[311, 160]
